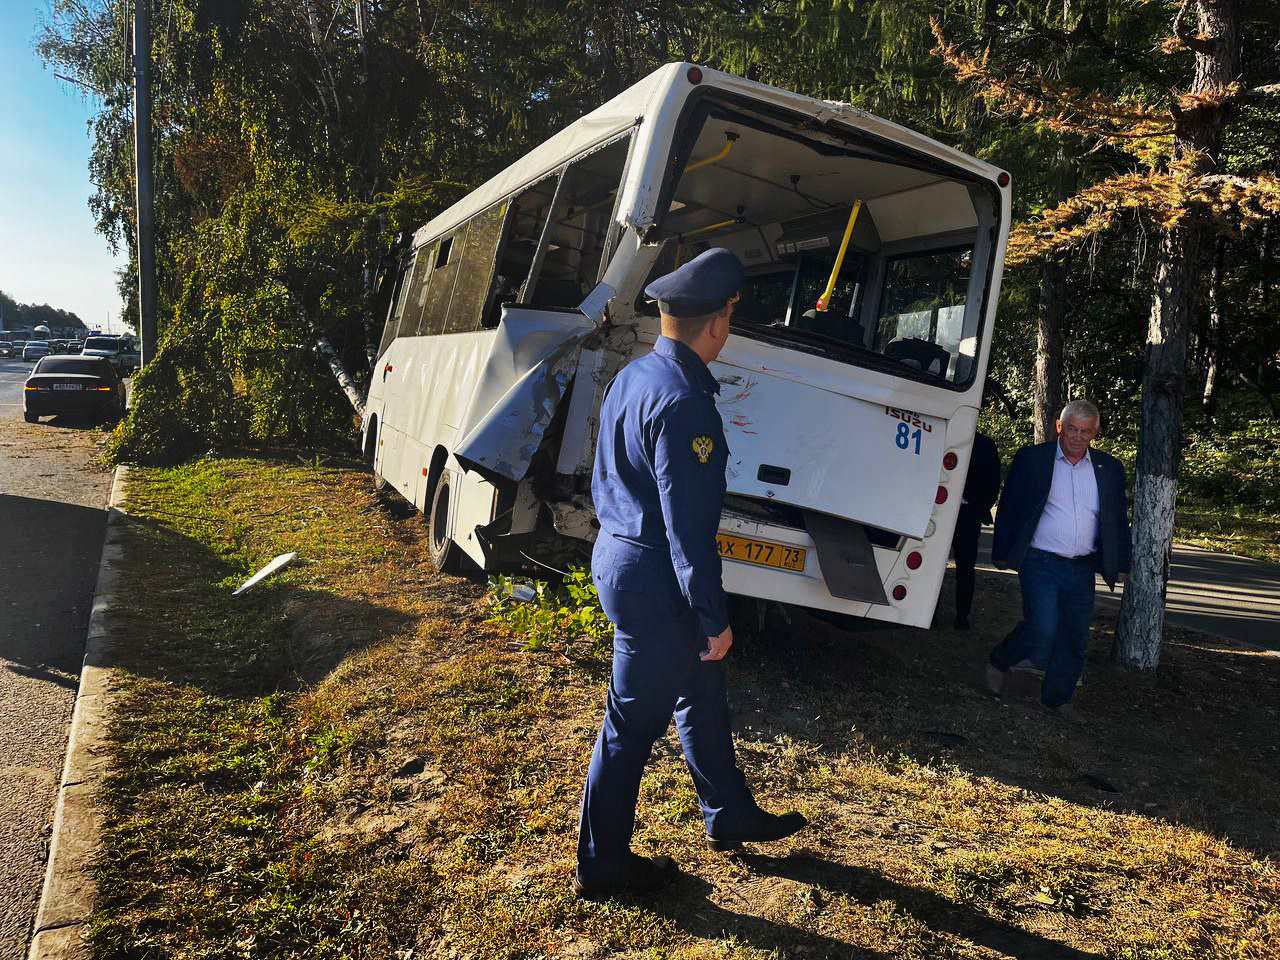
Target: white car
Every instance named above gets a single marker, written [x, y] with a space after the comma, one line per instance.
[34, 350]
[119, 350]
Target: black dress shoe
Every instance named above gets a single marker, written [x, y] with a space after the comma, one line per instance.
[641, 875]
[762, 829]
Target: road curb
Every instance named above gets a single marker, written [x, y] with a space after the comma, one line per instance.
[66, 900]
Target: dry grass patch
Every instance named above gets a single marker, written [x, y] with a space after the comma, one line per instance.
[349, 761]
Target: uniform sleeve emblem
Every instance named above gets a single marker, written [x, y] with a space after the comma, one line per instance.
[702, 447]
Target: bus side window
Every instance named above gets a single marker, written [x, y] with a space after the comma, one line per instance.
[417, 294]
[528, 214]
[574, 245]
[401, 295]
[444, 273]
[476, 271]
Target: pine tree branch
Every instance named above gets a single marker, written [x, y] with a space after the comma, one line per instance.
[1232, 203]
[1062, 109]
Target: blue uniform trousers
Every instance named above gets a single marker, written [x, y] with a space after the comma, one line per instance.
[656, 673]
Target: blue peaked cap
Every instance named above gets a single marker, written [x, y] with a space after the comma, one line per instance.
[701, 286]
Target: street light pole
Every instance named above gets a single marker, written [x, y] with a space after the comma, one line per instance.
[145, 200]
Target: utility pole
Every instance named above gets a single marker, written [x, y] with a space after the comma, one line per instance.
[142, 158]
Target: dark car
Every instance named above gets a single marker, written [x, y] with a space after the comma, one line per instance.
[6, 349]
[74, 385]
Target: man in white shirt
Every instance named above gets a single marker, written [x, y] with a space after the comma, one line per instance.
[1062, 519]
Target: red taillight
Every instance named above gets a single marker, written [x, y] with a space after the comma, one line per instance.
[30, 387]
[914, 559]
[695, 76]
[941, 496]
[950, 460]
[424, 471]
[899, 592]
[1003, 179]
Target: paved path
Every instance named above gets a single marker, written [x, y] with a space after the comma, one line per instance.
[51, 528]
[1216, 593]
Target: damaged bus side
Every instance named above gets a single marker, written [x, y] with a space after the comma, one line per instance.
[850, 384]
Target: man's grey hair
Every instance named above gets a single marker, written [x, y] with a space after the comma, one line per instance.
[1079, 410]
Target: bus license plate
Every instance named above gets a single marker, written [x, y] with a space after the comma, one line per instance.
[762, 552]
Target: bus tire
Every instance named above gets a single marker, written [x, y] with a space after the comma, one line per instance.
[370, 455]
[445, 554]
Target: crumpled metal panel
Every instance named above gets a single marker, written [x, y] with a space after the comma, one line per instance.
[532, 360]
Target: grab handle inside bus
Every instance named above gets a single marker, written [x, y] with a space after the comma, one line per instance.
[729, 138]
[844, 247]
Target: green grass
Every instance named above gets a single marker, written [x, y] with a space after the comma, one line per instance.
[353, 760]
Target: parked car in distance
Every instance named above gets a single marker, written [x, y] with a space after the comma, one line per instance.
[34, 350]
[7, 349]
[73, 385]
[107, 346]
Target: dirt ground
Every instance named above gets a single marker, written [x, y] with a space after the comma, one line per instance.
[359, 764]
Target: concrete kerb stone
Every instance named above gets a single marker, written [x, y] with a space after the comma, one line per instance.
[67, 898]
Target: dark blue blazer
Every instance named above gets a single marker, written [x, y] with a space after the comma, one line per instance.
[1026, 491]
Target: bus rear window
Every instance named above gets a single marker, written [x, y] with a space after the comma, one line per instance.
[921, 321]
[855, 250]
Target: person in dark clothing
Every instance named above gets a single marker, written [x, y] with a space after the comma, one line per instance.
[1063, 519]
[658, 487]
[981, 486]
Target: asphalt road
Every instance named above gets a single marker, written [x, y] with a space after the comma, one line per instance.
[1216, 593]
[52, 520]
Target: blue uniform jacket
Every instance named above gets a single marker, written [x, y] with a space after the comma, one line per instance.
[1026, 490]
[659, 481]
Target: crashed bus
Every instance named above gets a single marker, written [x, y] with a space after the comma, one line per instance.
[850, 383]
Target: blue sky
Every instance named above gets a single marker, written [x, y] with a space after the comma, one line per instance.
[49, 250]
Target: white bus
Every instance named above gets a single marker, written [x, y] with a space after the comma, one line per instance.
[849, 426]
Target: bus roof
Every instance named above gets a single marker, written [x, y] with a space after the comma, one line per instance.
[607, 121]
[647, 97]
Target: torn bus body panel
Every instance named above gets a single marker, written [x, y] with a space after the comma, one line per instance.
[530, 366]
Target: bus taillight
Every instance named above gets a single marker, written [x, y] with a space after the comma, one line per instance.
[914, 559]
[941, 496]
[950, 460]
[899, 592]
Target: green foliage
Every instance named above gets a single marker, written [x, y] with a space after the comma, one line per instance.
[289, 156]
[546, 614]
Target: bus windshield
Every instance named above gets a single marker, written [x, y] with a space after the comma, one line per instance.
[857, 250]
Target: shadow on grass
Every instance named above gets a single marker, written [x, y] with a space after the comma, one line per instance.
[182, 624]
[940, 914]
[689, 908]
[1195, 744]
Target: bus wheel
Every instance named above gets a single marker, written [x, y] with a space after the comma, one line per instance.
[444, 552]
[370, 455]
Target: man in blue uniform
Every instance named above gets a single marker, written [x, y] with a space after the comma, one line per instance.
[659, 487]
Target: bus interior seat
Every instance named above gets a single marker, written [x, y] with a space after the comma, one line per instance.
[920, 354]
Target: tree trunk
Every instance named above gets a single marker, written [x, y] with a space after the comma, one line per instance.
[1196, 141]
[1053, 288]
[339, 370]
[1213, 335]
